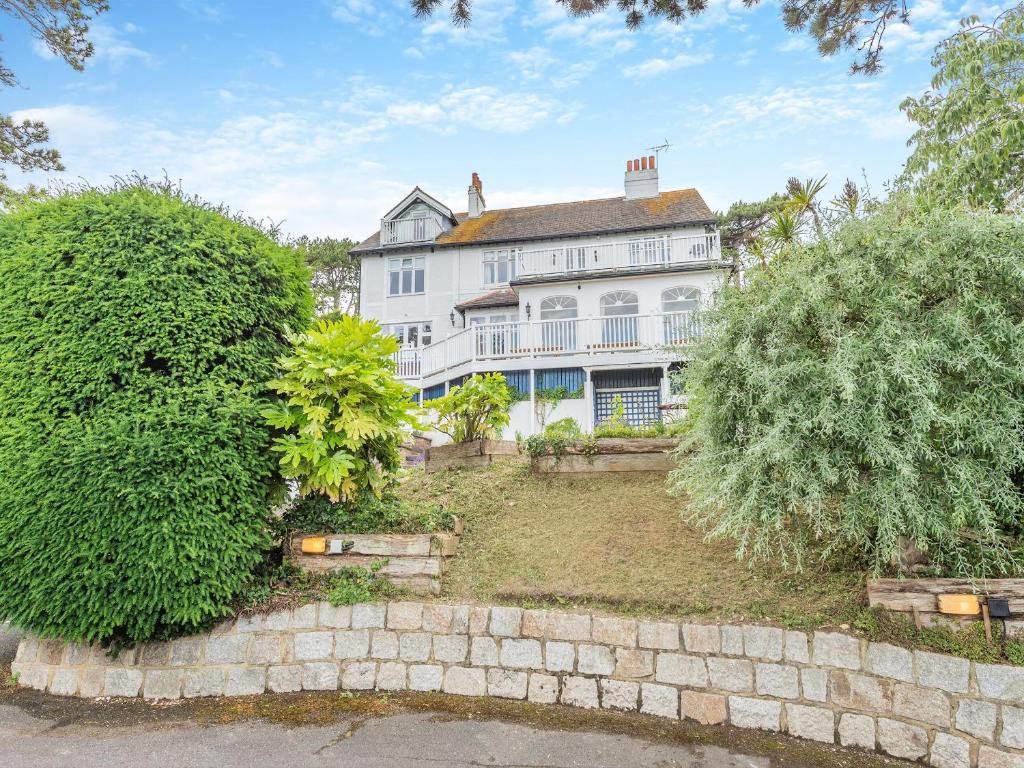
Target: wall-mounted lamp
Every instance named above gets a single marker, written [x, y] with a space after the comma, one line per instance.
[451, 316]
[527, 310]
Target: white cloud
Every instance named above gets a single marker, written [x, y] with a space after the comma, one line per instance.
[270, 58]
[481, 107]
[112, 46]
[795, 43]
[659, 66]
[70, 124]
[42, 50]
[413, 52]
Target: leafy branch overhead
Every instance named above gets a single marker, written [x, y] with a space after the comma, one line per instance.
[856, 24]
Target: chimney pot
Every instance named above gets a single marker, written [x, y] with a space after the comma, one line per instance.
[643, 163]
[641, 178]
[650, 162]
[629, 166]
[476, 204]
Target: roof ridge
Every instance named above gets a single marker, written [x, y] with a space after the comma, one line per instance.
[575, 202]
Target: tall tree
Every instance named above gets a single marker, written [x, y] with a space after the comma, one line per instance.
[835, 26]
[969, 144]
[63, 26]
[335, 274]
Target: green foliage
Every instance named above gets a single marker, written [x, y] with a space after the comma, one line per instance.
[555, 439]
[866, 391]
[478, 408]
[654, 429]
[352, 585]
[343, 411]
[363, 514]
[969, 144]
[136, 329]
[335, 274]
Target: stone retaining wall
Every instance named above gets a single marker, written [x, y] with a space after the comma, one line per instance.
[829, 687]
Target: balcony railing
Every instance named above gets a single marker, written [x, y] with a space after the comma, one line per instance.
[407, 363]
[625, 255]
[554, 338]
[408, 231]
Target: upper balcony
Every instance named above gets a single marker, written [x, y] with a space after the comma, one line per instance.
[630, 256]
[413, 230]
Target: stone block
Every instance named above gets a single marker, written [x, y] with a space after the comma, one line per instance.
[52, 652]
[286, 678]
[658, 635]
[1012, 733]
[552, 625]
[856, 731]
[543, 689]
[304, 617]
[90, 683]
[993, 758]
[451, 649]
[779, 680]
[465, 681]
[660, 700]
[483, 652]
[705, 708]
[978, 718]
[405, 616]
[506, 622]
[732, 640]
[948, 673]
[352, 644]
[796, 648]
[889, 661]
[391, 676]
[620, 694]
[701, 638]
[999, 681]
[620, 632]
[278, 620]
[763, 643]
[265, 648]
[208, 681]
[163, 684]
[559, 656]
[461, 619]
[36, 676]
[226, 649]
[521, 654]
[902, 740]
[334, 616]
[383, 644]
[745, 712]
[359, 675]
[414, 646]
[120, 681]
[594, 660]
[580, 692]
[734, 675]
[320, 676]
[437, 619]
[150, 655]
[425, 677]
[245, 681]
[64, 682]
[478, 620]
[186, 651]
[249, 623]
[313, 646]
[814, 684]
[678, 669]
[832, 649]
[814, 723]
[368, 616]
[506, 684]
[28, 650]
[926, 705]
[949, 751]
[535, 623]
[859, 692]
[631, 663]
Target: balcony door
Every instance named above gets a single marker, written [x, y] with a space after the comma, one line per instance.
[558, 324]
[620, 326]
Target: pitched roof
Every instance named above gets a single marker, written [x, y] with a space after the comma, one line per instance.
[585, 217]
[502, 297]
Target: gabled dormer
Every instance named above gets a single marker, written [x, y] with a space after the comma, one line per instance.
[418, 218]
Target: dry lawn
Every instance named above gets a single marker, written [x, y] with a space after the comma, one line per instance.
[614, 541]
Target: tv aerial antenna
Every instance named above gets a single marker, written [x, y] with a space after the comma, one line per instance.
[658, 150]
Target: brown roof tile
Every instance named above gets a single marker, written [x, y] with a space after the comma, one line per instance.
[502, 297]
[614, 214]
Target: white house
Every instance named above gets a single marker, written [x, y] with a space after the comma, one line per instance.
[586, 295]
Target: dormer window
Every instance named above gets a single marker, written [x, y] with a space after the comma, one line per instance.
[500, 266]
[405, 275]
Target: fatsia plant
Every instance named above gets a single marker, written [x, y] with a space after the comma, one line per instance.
[478, 408]
[342, 411]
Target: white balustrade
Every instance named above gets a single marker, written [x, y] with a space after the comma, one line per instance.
[418, 230]
[627, 254]
[407, 363]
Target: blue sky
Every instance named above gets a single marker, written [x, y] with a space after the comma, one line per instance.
[324, 113]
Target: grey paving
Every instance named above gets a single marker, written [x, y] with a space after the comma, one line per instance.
[9, 639]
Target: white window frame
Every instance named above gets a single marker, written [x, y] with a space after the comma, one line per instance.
[396, 264]
[565, 304]
[694, 295]
[502, 257]
[424, 330]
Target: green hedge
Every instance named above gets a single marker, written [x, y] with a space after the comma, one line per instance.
[136, 331]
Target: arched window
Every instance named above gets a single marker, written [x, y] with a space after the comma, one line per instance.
[619, 303]
[558, 308]
[682, 298]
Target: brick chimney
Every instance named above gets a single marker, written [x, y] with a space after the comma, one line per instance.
[476, 197]
[641, 178]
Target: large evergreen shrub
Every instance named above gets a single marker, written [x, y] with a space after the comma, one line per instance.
[866, 393]
[137, 329]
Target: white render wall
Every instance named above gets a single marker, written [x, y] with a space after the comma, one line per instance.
[455, 274]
